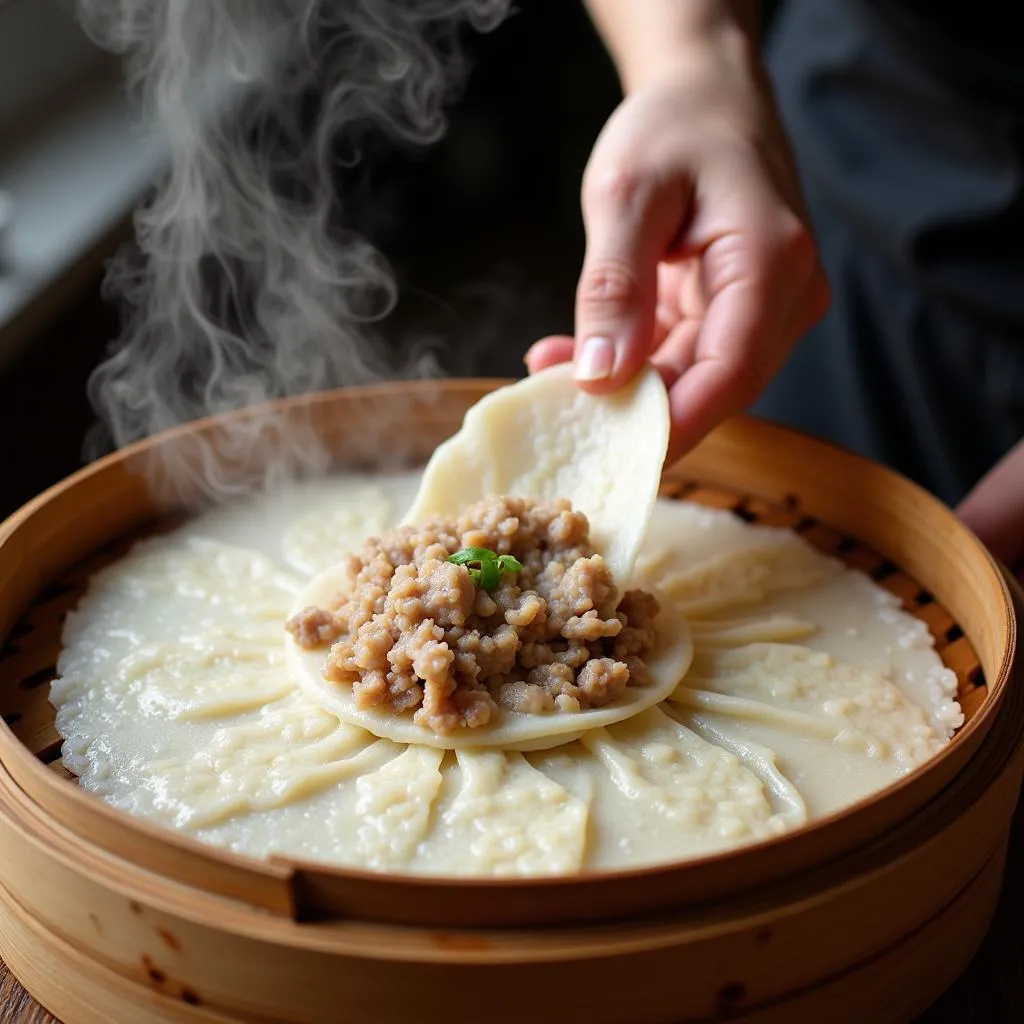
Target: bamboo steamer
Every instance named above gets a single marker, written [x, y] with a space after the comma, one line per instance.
[868, 914]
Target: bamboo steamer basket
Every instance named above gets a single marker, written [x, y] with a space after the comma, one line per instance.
[867, 914]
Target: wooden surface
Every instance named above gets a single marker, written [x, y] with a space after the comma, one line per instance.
[17, 1006]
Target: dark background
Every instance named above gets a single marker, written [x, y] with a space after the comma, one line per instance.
[483, 231]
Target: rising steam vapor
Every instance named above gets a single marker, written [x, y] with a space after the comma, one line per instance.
[242, 285]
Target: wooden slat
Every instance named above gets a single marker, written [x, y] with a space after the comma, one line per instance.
[28, 662]
[952, 646]
[58, 768]
[767, 513]
[903, 587]
[713, 497]
[938, 620]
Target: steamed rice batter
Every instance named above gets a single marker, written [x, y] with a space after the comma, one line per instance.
[810, 688]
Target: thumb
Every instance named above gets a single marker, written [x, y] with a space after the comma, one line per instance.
[630, 223]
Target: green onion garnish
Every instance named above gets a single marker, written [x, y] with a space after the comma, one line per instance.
[486, 568]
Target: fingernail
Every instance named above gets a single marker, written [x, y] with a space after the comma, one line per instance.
[595, 360]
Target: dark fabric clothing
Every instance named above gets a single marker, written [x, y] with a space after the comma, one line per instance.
[916, 190]
[972, 42]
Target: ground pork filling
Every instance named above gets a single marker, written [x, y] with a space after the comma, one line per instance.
[414, 633]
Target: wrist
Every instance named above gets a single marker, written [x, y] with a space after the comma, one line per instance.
[720, 46]
[658, 39]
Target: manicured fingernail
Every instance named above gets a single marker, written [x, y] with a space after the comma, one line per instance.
[595, 360]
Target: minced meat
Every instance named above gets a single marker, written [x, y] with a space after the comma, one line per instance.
[417, 634]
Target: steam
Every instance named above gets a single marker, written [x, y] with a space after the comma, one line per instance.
[243, 285]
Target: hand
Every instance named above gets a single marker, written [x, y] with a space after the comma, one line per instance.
[994, 510]
[698, 254]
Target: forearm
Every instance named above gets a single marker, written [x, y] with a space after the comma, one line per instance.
[648, 39]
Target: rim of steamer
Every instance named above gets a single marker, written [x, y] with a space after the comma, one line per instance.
[105, 500]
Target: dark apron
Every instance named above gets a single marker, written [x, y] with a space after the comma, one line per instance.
[913, 169]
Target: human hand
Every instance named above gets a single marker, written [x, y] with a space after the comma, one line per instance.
[994, 510]
[698, 252]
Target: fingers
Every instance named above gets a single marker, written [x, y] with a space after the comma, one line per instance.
[994, 510]
[699, 400]
[549, 352]
[726, 320]
[677, 349]
[763, 288]
[681, 302]
[557, 349]
[631, 221]
[672, 281]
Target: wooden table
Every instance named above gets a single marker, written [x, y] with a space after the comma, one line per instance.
[991, 991]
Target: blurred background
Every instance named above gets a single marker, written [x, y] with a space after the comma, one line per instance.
[483, 230]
